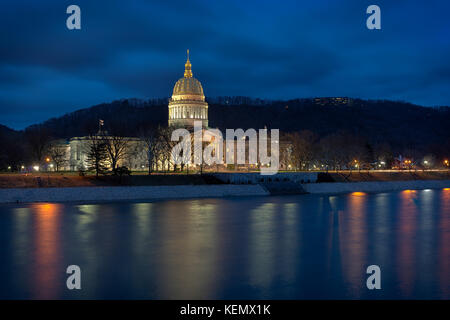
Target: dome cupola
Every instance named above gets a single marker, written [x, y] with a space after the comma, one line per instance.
[188, 100]
[188, 85]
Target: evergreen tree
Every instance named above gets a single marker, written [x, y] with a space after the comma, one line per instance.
[97, 155]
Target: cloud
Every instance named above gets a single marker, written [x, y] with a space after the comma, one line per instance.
[283, 49]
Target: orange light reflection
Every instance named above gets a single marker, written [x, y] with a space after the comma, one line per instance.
[47, 256]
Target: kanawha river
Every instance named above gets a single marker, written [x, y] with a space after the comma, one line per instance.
[287, 247]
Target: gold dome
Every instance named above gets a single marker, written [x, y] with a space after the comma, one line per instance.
[188, 85]
[188, 105]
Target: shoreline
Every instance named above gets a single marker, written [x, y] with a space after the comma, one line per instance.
[149, 193]
[374, 186]
[128, 193]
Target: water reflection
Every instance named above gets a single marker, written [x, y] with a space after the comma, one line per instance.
[443, 231]
[353, 241]
[189, 250]
[290, 245]
[251, 248]
[263, 239]
[407, 224]
[46, 267]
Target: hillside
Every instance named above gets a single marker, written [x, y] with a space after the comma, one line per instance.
[400, 124]
[403, 127]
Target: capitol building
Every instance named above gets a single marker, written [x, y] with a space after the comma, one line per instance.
[186, 106]
[187, 103]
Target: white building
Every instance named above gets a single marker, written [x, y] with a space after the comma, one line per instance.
[134, 155]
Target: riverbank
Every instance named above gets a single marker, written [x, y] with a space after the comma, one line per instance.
[72, 179]
[379, 186]
[149, 193]
[94, 194]
[67, 188]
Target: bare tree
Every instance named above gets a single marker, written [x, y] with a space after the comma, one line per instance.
[302, 148]
[357, 151]
[116, 147]
[165, 145]
[383, 153]
[38, 139]
[58, 154]
[150, 138]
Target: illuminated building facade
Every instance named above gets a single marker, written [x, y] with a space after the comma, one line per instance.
[187, 103]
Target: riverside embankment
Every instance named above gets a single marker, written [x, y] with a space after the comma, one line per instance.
[94, 194]
[87, 189]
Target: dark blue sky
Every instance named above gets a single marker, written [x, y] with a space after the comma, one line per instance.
[268, 49]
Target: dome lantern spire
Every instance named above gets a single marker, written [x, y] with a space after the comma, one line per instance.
[187, 67]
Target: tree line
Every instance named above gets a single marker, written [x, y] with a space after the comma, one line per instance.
[332, 136]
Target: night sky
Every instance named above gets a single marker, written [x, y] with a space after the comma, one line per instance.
[267, 49]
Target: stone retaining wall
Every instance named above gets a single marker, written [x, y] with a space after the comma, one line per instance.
[127, 193]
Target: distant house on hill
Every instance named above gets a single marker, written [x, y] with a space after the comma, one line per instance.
[333, 101]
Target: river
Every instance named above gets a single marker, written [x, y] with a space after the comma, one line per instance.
[286, 247]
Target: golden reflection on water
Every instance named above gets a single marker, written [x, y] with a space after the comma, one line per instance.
[46, 267]
[406, 233]
[353, 242]
[193, 233]
[357, 193]
[183, 249]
